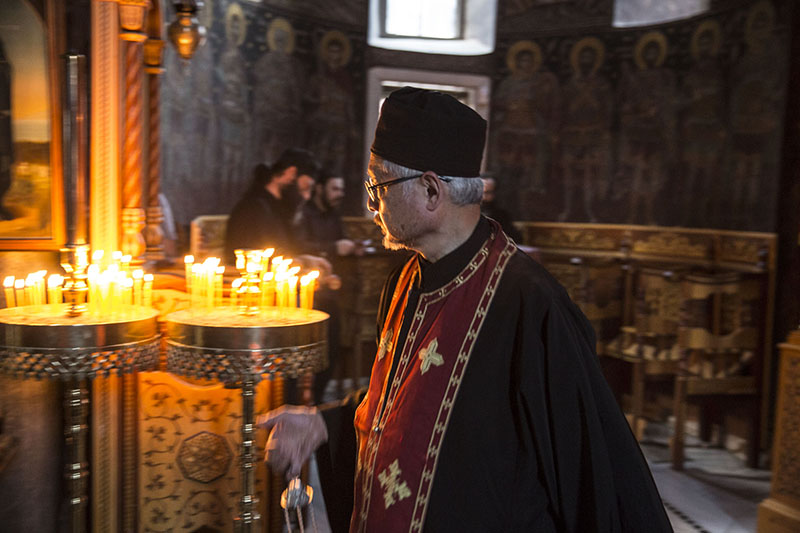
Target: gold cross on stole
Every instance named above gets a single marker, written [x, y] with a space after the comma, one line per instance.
[430, 357]
[392, 485]
[385, 345]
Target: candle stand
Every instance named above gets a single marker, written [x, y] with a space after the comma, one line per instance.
[237, 349]
[52, 342]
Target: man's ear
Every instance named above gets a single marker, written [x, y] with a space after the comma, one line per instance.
[434, 191]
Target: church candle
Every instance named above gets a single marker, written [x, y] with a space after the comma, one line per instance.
[19, 291]
[28, 291]
[138, 286]
[220, 271]
[305, 282]
[8, 288]
[266, 255]
[235, 291]
[188, 262]
[293, 291]
[147, 296]
[268, 290]
[127, 291]
[314, 275]
[54, 289]
[279, 292]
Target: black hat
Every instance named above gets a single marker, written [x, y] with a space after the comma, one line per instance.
[429, 130]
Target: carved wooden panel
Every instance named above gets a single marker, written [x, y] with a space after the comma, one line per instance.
[189, 442]
[786, 460]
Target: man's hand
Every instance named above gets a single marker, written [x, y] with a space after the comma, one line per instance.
[295, 432]
[316, 262]
[345, 247]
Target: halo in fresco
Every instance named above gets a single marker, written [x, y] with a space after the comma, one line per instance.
[650, 37]
[335, 36]
[235, 10]
[527, 46]
[760, 23]
[280, 24]
[588, 42]
[712, 28]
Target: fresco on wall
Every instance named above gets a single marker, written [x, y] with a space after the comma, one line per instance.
[679, 124]
[331, 110]
[756, 106]
[277, 103]
[703, 128]
[526, 105]
[586, 131]
[647, 127]
[267, 76]
[233, 98]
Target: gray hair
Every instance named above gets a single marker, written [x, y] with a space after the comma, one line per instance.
[463, 191]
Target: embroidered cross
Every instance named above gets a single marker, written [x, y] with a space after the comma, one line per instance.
[430, 357]
[385, 345]
[392, 485]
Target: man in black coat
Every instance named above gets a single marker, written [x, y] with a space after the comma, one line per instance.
[263, 216]
[487, 409]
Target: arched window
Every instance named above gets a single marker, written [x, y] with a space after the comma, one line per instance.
[629, 13]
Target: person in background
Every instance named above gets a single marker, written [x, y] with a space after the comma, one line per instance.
[491, 209]
[487, 409]
[263, 216]
[319, 225]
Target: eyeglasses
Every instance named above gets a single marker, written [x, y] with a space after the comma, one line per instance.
[372, 189]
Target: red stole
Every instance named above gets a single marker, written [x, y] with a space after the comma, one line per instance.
[399, 442]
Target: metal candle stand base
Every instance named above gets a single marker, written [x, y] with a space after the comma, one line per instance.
[236, 349]
[45, 342]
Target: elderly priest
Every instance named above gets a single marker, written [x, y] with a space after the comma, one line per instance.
[486, 408]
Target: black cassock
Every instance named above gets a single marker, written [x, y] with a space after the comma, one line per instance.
[536, 441]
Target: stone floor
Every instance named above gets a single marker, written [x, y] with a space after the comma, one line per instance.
[715, 493]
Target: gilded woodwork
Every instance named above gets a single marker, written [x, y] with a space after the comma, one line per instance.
[189, 440]
[153, 235]
[105, 117]
[786, 480]
[153, 60]
[669, 243]
[133, 216]
[104, 213]
[780, 512]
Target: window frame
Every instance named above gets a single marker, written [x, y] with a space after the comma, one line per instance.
[384, 34]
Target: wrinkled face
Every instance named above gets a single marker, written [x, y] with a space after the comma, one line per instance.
[333, 192]
[395, 211]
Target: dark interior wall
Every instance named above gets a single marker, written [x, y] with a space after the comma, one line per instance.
[675, 124]
[787, 316]
[269, 76]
